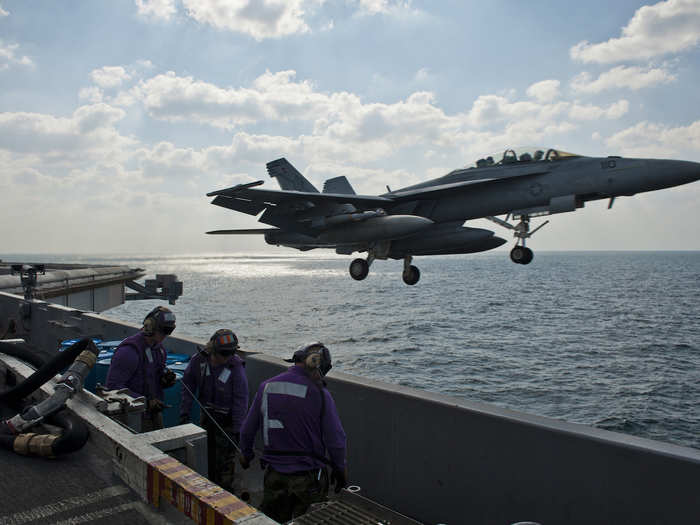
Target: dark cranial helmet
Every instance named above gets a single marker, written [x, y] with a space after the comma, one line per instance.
[223, 342]
[308, 349]
[160, 319]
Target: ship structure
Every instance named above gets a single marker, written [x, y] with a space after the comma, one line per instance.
[414, 457]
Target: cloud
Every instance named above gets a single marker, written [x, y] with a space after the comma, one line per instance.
[273, 96]
[91, 94]
[3, 12]
[258, 18]
[656, 30]
[341, 125]
[619, 77]
[109, 76]
[544, 91]
[8, 57]
[384, 7]
[591, 112]
[88, 134]
[158, 9]
[422, 75]
[652, 139]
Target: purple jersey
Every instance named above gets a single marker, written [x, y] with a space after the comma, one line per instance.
[225, 387]
[292, 417]
[138, 367]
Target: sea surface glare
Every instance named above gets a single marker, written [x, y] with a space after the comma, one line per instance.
[610, 339]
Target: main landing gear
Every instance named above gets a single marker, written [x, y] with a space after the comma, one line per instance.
[411, 274]
[359, 269]
[520, 254]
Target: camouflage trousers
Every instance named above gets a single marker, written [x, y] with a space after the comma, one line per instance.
[222, 454]
[288, 496]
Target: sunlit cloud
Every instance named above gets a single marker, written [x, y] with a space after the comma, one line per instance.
[622, 77]
[87, 134]
[666, 27]
[158, 9]
[9, 57]
[384, 7]
[592, 112]
[3, 12]
[109, 76]
[654, 139]
[544, 91]
[259, 19]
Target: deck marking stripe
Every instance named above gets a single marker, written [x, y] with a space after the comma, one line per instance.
[92, 516]
[43, 512]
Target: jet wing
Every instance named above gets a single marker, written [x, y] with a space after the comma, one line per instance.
[434, 192]
[263, 198]
[431, 192]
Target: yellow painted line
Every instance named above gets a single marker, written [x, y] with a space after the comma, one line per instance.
[194, 495]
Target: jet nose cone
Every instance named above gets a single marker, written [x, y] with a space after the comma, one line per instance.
[674, 172]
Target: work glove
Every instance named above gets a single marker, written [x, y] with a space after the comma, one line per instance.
[338, 478]
[184, 419]
[155, 405]
[168, 378]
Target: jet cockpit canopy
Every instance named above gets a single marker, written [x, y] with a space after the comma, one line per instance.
[523, 154]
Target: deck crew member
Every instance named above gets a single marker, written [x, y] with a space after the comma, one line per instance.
[138, 364]
[217, 376]
[299, 424]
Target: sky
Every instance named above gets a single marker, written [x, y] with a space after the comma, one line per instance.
[116, 118]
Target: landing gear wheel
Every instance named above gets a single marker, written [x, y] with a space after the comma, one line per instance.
[519, 255]
[359, 269]
[411, 275]
[528, 256]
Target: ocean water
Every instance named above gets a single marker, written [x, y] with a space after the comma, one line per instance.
[610, 339]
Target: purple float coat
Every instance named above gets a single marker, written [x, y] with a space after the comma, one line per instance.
[224, 386]
[131, 365]
[287, 410]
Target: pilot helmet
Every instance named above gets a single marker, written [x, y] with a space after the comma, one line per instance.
[306, 350]
[224, 342]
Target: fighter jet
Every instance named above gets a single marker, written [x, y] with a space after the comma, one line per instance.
[428, 218]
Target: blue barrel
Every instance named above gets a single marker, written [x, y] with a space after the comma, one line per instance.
[99, 372]
[173, 396]
[179, 368]
[173, 358]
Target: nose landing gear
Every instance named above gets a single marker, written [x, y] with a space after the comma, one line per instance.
[520, 254]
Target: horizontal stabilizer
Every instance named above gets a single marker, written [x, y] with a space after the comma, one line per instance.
[254, 231]
[242, 205]
[338, 185]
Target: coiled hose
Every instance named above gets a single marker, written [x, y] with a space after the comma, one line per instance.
[13, 435]
[22, 351]
[49, 369]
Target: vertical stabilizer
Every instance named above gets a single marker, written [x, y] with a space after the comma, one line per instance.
[338, 185]
[288, 177]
